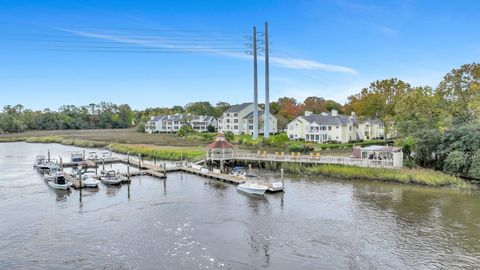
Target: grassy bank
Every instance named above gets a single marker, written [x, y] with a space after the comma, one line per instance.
[407, 176]
[159, 152]
[149, 151]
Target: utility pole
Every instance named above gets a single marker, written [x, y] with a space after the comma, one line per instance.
[255, 85]
[266, 118]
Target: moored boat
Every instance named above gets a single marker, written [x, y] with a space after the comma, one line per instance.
[76, 157]
[47, 167]
[59, 181]
[39, 161]
[252, 188]
[88, 179]
[238, 172]
[111, 178]
[92, 156]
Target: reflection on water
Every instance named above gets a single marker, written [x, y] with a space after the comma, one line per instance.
[187, 222]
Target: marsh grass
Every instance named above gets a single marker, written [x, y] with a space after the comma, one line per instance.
[408, 176]
[162, 153]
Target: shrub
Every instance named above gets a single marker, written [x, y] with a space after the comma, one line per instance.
[455, 163]
[185, 130]
[229, 136]
[278, 140]
[474, 170]
[141, 127]
[210, 128]
[299, 147]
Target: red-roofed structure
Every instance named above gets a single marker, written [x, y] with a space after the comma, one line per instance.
[221, 148]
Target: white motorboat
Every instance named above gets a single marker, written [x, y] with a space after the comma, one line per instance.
[76, 157]
[47, 167]
[39, 161]
[252, 188]
[88, 179]
[238, 172]
[59, 182]
[111, 178]
[92, 156]
[51, 173]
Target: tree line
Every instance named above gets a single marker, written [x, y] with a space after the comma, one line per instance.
[102, 115]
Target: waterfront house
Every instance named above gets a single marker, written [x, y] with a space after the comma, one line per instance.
[239, 120]
[172, 123]
[201, 123]
[332, 126]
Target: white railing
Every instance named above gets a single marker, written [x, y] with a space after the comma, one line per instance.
[306, 159]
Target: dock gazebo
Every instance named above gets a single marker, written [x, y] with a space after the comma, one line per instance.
[383, 153]
[220, 149]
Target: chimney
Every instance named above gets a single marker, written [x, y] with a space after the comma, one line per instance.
[334, 113]
[308, 113]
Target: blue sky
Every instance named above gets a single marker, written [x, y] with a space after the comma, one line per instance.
[171, 52]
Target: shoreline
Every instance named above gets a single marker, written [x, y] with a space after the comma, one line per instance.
[417, 176]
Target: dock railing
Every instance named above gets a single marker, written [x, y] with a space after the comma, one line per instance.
[314, 159]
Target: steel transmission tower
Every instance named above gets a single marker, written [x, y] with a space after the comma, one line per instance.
[266, 117]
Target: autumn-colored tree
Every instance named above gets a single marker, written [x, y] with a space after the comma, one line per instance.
[379, 100]
[314, 104]
[289, 108]
[459, 93]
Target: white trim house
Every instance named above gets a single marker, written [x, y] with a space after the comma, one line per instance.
[239, 120]
[332, 126]
[172, 123]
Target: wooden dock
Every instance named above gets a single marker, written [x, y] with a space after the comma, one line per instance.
[157, 171]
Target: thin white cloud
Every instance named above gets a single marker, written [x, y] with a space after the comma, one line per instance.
[158, 42]
[296, 63]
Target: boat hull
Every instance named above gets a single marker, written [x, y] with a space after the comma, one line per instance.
[58, 186]
[111, 182]
[257, 190]
[91, 183]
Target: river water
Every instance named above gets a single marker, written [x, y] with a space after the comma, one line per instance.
[188, 222]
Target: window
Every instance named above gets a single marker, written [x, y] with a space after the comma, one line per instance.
[350, 127]
[235, 121]
[235, 127]
[330, 127]
[235, 115]
[337, 127]
[228, 120]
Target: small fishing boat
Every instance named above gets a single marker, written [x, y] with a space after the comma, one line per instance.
[252, 188]
[105, 155]
[76, 157]
[59, 182]
[111, 178]
[47, 167]
[39, 161]
[238, 172]
[92, 156]
[51, 173]
[88, 179]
